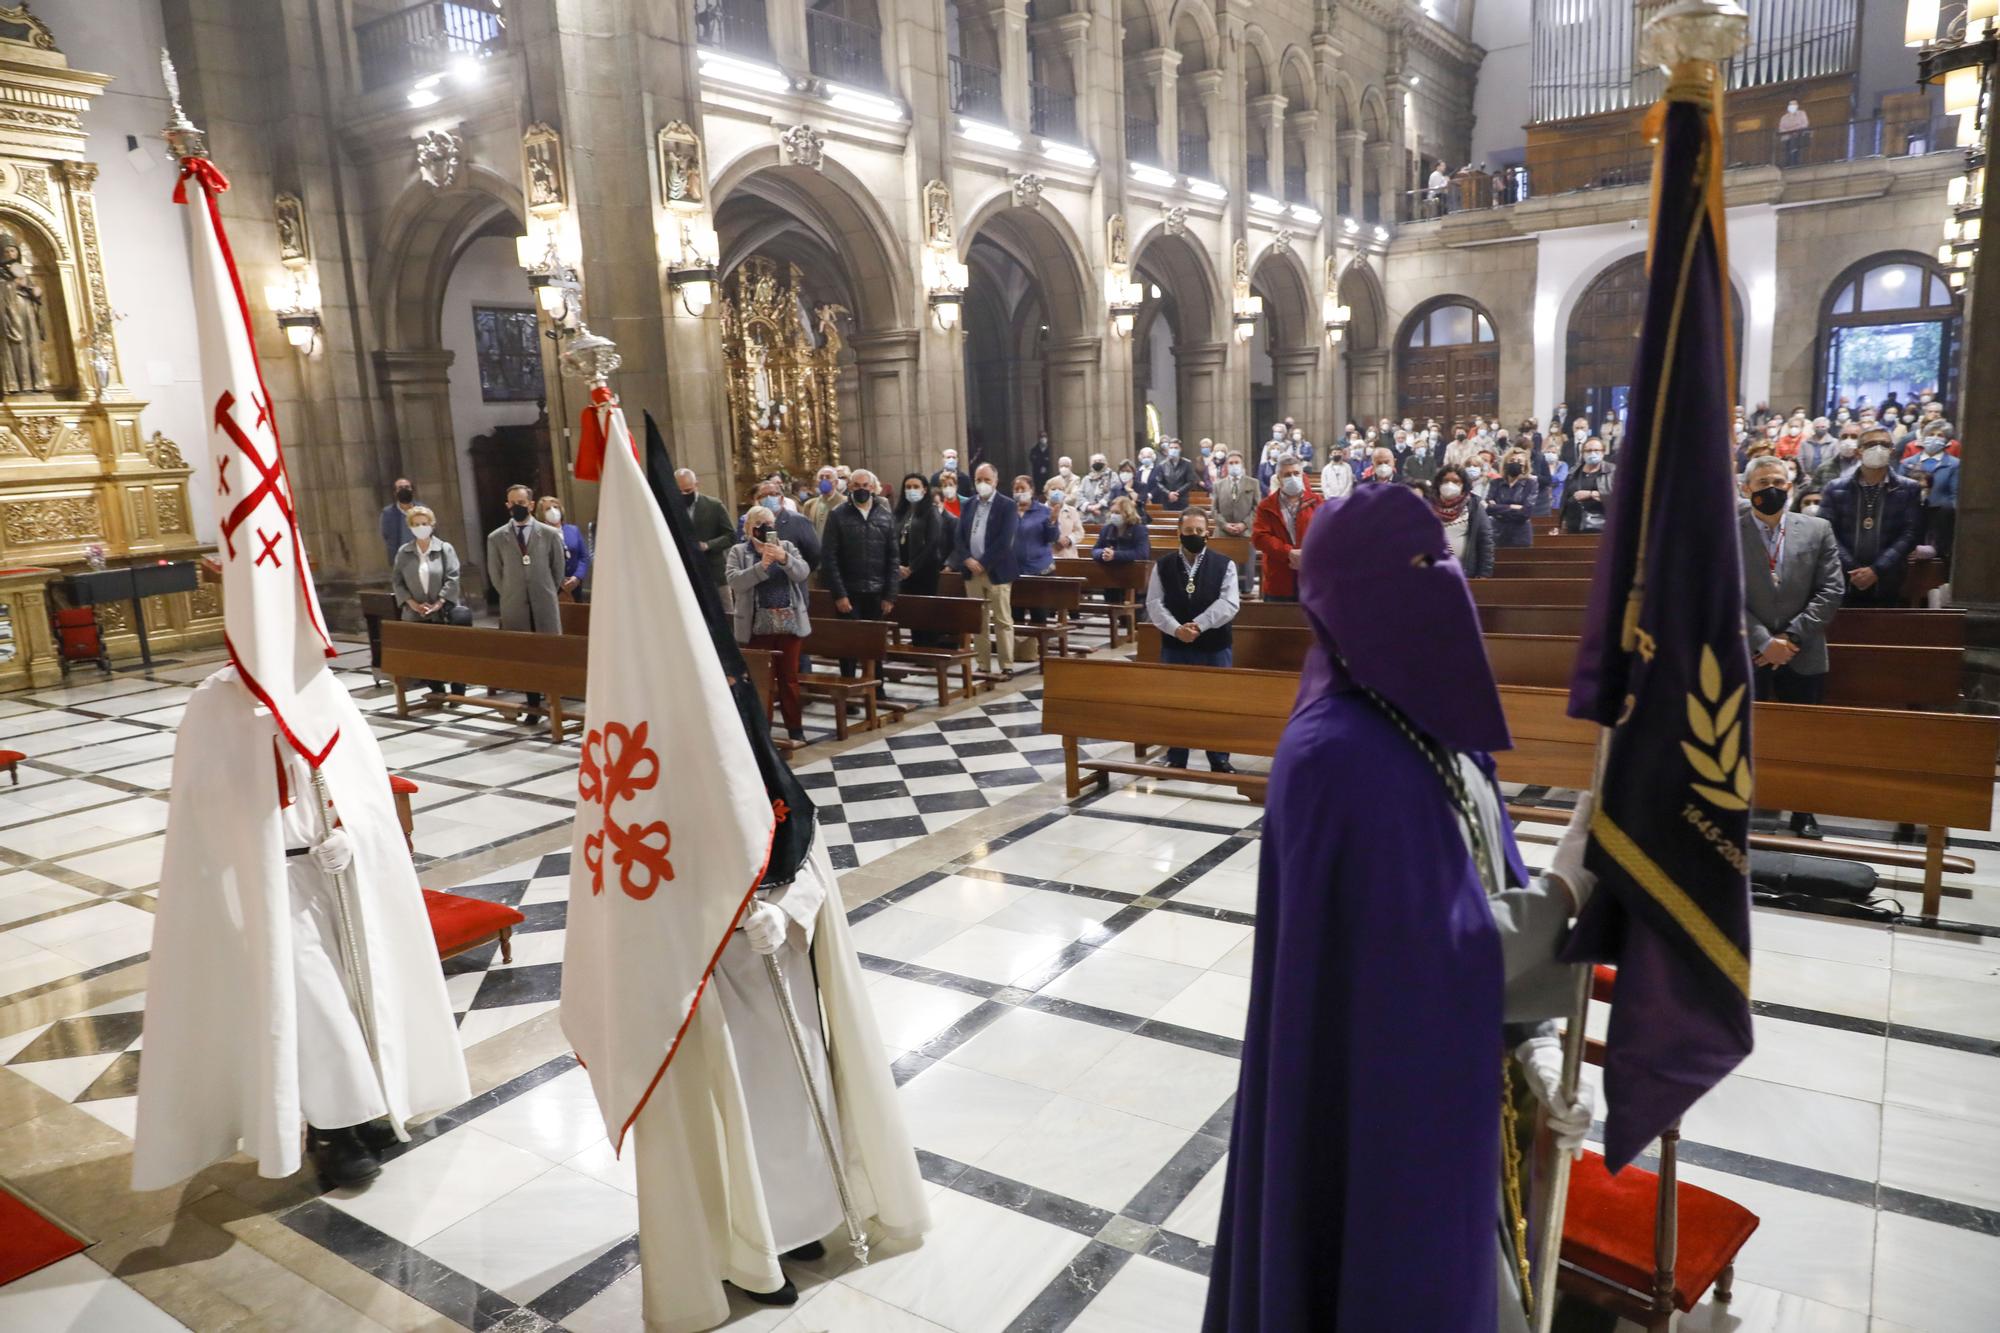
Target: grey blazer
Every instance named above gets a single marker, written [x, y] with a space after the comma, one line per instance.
[443, 563]
[743, 572]
[527, 591]
[1803, 596]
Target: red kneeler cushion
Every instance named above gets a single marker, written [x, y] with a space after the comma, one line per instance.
[402, 786]
[458, 922]
[1608, 1230]
[10, 757]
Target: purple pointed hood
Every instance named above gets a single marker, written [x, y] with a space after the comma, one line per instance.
[1391, 609]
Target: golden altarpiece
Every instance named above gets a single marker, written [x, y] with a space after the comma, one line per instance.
[783, 375]
[77, 470]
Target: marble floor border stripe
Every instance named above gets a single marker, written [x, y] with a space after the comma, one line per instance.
[75, 979]
[1172, 1183]
[1079, 1283]
[577, 1290]
[1953, 1041]
[403, 1266]
[1201, 865]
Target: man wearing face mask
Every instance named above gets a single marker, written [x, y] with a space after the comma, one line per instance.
[1237, 495]
[709, 522]
[1039, 461]
[1279, 533]
[1934, 469]
[1145, 485]
[985, 555]
[396, 519]
[1192, 598]
[950, 465]
[1875, 516]
[859, 556]
[1422, 462]
[828, 495]
[1174, 478]
[1094, 488]
[525, 561]
[1381, 467]
[1791, 590]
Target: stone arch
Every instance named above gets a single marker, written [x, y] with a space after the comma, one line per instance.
[1374, 115]
[1188, 277]
[834, 206]
[1287, 346]
[1044, 241]
[425, 232]
[1196, 18]
[1297, 83]
[1143, 24]
[1191, 306]
[1260, 62]
[1363, 377]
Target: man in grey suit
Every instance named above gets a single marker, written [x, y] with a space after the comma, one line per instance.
[1792, 586]
[525, 561]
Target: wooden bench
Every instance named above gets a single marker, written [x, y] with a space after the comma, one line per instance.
[866, 644]
[956, 620]
[1057, 599]
[552, 665]
[1145, 703]
[1128, 575]
[1888, 625]
[1542, 569]
[1255, 647]
[1533, 592]
[1273, 615]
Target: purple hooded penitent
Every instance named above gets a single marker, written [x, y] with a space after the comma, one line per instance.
[1364, 1170]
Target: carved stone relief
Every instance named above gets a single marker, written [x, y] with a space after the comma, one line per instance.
[804, 146]
[939, 227]
[1027, 188]
[439, 154]
[682, 183]
[52, 522]
[542, 169]
[1176, 220]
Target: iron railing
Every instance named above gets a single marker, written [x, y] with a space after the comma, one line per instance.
[426, 39]
[1052, 112]
[1295, 185]
[1630, 162]
[844, 50]
[1258, 177]
[1194, 154]
[975, 90]
[1142, 140]
[743, 26]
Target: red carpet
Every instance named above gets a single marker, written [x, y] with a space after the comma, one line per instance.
[28, 1240]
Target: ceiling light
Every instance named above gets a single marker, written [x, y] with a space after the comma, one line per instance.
[980, 131]
[1206, 189]
[743, 73]
[867, 105]
[1146, 174]
[1264, 203]
[1068, 154]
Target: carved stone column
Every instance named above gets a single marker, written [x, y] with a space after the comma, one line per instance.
[1209, 86]
[1071, 369]
[1304, 126]
[1073, 30]
[1158, 68]
[417, 386]
[1010, 25]
[1202, 371]
[886, 387]
[1353, 145]
[1269, 113]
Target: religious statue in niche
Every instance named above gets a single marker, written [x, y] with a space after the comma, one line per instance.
[24, 322]
[1117, 251]
[782, 370]
[542, 169]
[939, 229]
[293, 248]
[680, 166]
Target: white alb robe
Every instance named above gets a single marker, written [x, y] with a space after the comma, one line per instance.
[249, 1029]
[713, 1204]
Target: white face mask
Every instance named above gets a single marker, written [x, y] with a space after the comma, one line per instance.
[985, 488]
[1235, 469]
[913, 493]
[421, 531]
[1593, 457]
[1293, 485]
[553, 518]
[949, 492]
[1875, 455]
[1450, 490]
[1022, 497]
[951, 462]
[1384, 471]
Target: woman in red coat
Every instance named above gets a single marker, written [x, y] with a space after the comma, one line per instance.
[1279, 530]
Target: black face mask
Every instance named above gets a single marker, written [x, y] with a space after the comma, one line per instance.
[1193, 544]
[519, 513]
[405, 494]
[1770, 500]
[765, 534]
[860, 495]
[1513, 469]
[1097, 467]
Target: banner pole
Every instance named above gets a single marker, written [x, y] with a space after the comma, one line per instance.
[857, 1235]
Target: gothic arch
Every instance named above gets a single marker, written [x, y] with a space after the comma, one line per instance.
[1374, 114]
[1185, 274]
[425, 232]
[1042, 241]
[1260, 63]
[1202, 19]
[1281, 277]
[1360, 291]
[1297, 83]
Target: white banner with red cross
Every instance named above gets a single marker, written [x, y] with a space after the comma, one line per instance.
[673, 822]
[270, 613]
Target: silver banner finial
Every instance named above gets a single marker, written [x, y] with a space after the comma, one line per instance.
[1706, 30]
[181, 135]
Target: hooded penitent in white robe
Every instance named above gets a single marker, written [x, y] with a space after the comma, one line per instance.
[248, 1025]
[726, 1186]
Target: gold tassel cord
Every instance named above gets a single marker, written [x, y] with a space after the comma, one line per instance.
[1510, 1167]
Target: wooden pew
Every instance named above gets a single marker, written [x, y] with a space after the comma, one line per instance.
[1149, 704]
[552, 665]
[1278, 615]
[955, 620]
[866, 643]
[1130, 575]
[1890, 626]
[1255, 647]
[1533, 592]
[1543, 569]
[1862, 676]
[1058, 599]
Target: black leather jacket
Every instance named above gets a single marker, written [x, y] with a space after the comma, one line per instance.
[859, 555]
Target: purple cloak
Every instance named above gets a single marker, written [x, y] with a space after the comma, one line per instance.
[1364, 1169]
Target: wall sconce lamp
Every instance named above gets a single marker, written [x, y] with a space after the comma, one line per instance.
[549, 254]
[1127, 297]
[947, 283]
[295, 302]
[693, 273]
[1337, 319]
[1249, 309]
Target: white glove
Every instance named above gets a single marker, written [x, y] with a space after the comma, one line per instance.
[764, 928]
[1567, 864]
[335, 853]
[1542, 1060]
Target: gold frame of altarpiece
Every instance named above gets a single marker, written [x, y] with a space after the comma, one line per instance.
[783, 385]
[76, 469]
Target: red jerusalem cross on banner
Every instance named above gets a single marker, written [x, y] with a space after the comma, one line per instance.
[271, 617]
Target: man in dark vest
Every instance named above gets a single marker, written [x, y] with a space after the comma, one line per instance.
[1191, 599]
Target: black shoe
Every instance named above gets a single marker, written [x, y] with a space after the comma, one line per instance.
[340, 1158]
[376, 1135]
[807, 1252]
[1805, 826]
[785, 1295]
[531, 719]
[1222, 767]
[1907, 833]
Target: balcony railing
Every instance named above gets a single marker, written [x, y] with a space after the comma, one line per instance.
[975, 90]
[843, 50]
[1295, 185]
[426, 39]
[1052, 112]
[1631, 163]
[1194, 154]
[1342, 195]
[742, 26]
[1142, 141]
[1258, 175]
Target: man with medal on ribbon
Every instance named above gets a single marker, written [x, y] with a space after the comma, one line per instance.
[1192, 599]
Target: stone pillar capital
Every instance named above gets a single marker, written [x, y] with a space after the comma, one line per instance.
[1270, 107]
[1158, 64]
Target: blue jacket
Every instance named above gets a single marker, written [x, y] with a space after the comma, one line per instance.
[1839, 505]
[1035, 534]
[1944, 479]
[395, 530]
[576, 555]
[1000, 561]
[1124, 543]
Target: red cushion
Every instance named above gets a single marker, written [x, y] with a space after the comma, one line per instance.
[399, 783]
[11, 757]
[457, 921]
[1608, 1230]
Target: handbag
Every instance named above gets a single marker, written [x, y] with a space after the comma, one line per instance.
[1592, 522]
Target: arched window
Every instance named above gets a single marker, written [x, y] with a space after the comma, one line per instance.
[1890, 324]
[1448, 363]
[1603, 339]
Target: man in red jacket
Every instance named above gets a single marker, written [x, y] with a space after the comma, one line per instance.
[1279, 532]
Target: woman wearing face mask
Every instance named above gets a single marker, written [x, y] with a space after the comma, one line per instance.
[576, 554]
[921, 541]
[1557, 472]
[1510, 501]
[1466, 526]
[1035, 531]
[1589, 486]
[1122, 538]
[425, 580]
[947, 492]
[768, 577]
[1069, 523]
